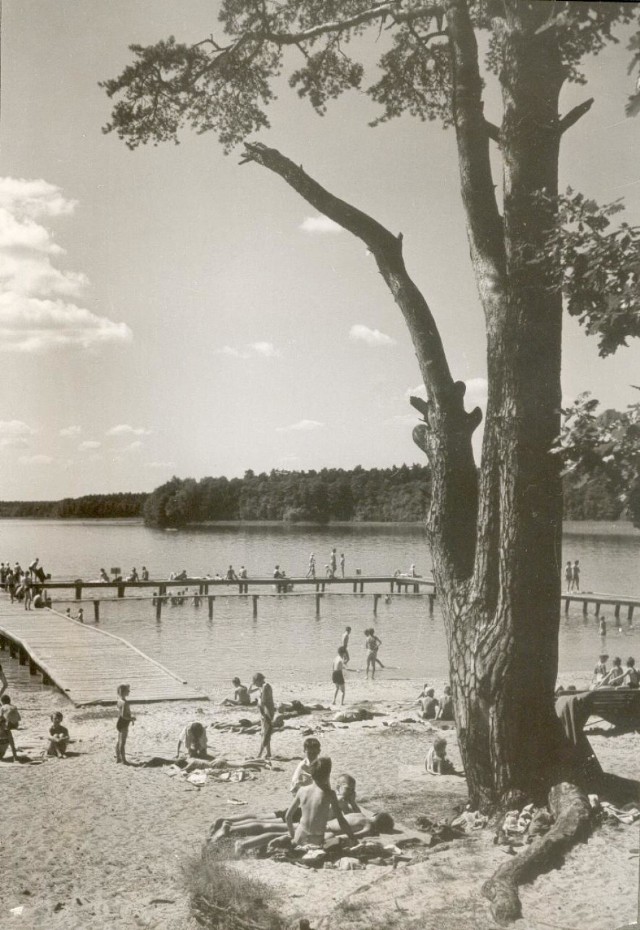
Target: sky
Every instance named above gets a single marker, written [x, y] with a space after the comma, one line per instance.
[168, 311]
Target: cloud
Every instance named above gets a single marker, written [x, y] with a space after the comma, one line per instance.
[71, 431]
[89, 444]
[39, 307]
[319, 224]
[12, 429]
[133, 446]
[161, 464]
[251, 350]
[123, 429]
[301, 426]
[36, 459]
[372, 337]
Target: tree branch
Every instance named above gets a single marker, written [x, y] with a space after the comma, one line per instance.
[473, 132]
[389, 8]
[387, 251]
[493, 131]
[574, 115]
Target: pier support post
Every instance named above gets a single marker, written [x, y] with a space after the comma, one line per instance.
[3, 643]
[78, 587]
[566, 606]
[376, 598]
[616, 612]
[432, 598]
[33, 668]
[23, 657]
[120, 590]
[629, 613]
[254, 598]
[210, 600]
[597, 609]
[318, 596]
[45, 679]
[585, 608]
[96, 610]
[13, 650]
[392, 586]
[159, 601]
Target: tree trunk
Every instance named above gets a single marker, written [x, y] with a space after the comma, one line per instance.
[502, 621]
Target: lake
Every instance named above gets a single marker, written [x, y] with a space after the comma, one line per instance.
[287, 641]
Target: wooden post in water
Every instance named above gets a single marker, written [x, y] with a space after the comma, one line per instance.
[616, 612]
[629, 613]
[392, 586]
[12, 649]
[432, 598]
[96, 610]
[359, 572]
[376, 598]
[33, 668]
[3, 643]
[23, 657]
[159, 600]
[585, 608]
[120, 590]
[597, 609]
[318, 596]
[210, 600]
[78, 587]
[254, 597]
[566, 606]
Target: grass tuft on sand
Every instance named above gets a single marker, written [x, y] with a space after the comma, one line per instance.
[222, 898]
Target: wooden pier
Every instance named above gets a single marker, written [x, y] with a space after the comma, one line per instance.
[84, 662]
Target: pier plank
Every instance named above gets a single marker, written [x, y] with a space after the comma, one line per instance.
[88, 663]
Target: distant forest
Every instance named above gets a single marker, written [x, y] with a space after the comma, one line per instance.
[332, 494]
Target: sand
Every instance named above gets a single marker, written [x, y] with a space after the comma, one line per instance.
[90, 844]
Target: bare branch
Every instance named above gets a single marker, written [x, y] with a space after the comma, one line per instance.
[484, 222]
[380, 11]
[574, 115]
[493, 131]
[387, 251]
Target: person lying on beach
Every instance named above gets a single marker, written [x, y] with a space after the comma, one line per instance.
[194, 740]
[429, 704]
[9, 712]
[6, 740]
[302, 774]
[437, 762]
[241, 696]
[58, 737]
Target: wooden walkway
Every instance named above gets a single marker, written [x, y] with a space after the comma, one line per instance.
[86, 663]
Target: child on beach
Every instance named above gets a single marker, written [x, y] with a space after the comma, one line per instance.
[125, 718]
[429, 704]
[346, 794]
[194, 740]
[6, 740]
[437, 762]
[600, 671]
[9, 713]
[302, 773]
[345, 643]
[58, 737]
[267, 709]
[631, 674]
[337, 675]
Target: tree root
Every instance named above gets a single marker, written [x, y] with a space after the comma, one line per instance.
[572, 816]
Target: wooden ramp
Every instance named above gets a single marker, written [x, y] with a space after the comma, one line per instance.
[86, 663]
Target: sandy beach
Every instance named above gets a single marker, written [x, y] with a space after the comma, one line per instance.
[90, 844]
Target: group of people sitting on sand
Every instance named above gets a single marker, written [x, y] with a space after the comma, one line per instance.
[433, 708]
[10, 717]
[316, 812]
[616, 676]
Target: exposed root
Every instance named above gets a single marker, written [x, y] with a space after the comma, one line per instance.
[572, 816]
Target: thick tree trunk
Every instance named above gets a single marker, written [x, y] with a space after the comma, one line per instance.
[502, 621]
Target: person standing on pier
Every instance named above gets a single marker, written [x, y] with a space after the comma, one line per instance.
[145, 573]
[568, 576]
[342, 563]
[125, 719]
[311, 571]
[575, 575]
[267, 710]
[242, 575]
[333, 562]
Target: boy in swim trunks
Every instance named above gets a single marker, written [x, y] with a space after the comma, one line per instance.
[302, 775]
[316, 803]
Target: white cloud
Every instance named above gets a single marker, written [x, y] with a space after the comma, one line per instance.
[89, 444]
[38, 304]
[123, 429]
[161, 464]
[71, 431]
[319, 224]
[36, 459]
[12, 429]
[372, 337]
[253, 349]
[267, 349]
[302, 426]
[133, 446]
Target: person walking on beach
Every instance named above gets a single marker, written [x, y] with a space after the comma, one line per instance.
[311, 571]
[28, 591]
[575, 576]
[337, 675]
[125, 719]
[267, 710]
[345, 643]
[342, 560]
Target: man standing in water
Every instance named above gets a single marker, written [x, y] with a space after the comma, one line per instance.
[267, 710]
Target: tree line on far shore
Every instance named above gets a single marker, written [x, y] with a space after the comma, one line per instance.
[333, 494]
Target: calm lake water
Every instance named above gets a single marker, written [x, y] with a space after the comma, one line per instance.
[287, 641]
